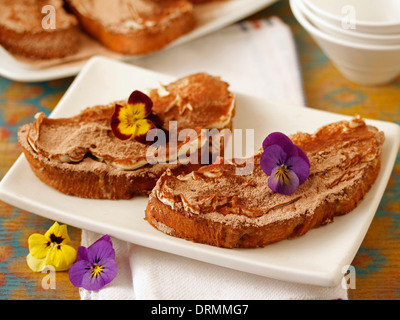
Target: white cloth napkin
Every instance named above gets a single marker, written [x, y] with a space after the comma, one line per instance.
[255, 57]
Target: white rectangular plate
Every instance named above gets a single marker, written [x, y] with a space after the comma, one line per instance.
[315, 258]
[210, 17]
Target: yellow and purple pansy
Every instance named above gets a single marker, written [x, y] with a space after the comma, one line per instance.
[286, 164]
[135, 119]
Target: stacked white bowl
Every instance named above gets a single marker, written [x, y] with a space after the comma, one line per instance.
[361, 37]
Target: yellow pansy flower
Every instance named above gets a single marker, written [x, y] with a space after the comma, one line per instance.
[135, 119]
[51, 249]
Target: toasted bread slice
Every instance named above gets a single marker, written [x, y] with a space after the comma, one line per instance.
[22, 32]
[214, 205]
[134, 26]
[80, 155]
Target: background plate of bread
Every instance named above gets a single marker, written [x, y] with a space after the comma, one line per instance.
[48, 39]
[315, 258]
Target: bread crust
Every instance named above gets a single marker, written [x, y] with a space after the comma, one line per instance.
[169, 216]
[29, 38]
[147, 38]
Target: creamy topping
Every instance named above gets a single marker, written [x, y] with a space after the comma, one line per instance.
[89, 133]
[215, 192]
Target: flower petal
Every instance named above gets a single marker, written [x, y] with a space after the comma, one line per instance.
[119, 123]
[38, 245]
[61, 257]
[110, 270]
[143, 126]
[278, 138]
[155, 118]
[78, 271]
[140, 104]
[106, 237]
[272, 157]
[283, 183]
[101, 250]
[58, 231]
[36, 265]
[82, 253]
[303, 155]
[300, 167]
[90, 282]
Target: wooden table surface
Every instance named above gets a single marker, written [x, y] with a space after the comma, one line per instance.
[377, 262]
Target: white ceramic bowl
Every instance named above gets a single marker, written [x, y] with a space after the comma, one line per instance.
[346, 34]
[360, 63]
[371, 16]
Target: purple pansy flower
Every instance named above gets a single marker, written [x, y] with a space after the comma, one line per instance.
[285, 163]
[95, 266]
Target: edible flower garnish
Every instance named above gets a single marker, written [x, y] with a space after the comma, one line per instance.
[285, 163]
[50, 249]
[95, 266]
[135, 119]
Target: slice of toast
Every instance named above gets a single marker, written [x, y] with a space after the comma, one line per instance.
[134, 26]
[214, 205]
[25, 30]
[81, 156]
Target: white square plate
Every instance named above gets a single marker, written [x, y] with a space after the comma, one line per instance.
[210, 17]
[315, 258]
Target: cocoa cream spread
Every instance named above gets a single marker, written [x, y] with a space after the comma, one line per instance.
[198, 101]
[131, 15]
[73, 139]
[216, 193]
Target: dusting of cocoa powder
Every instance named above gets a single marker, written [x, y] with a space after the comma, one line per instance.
[247, 200]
